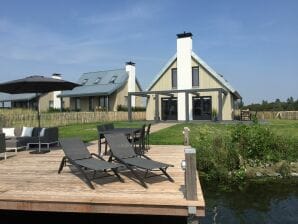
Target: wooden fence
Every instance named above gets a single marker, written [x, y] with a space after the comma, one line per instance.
[286, 115]
[18, 118]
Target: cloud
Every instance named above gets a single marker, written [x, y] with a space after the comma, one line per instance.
[130, 13]
[30, 42]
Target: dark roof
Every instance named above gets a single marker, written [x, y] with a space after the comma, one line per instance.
[98, 83]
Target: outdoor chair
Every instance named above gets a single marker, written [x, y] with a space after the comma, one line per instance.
[138, 141]
[100, 129]
[147, 143]
[123, 152]
[2, 145]
[109, 126]
[78, 155]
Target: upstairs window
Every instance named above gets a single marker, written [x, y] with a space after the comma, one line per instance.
[195, 76]
[174, 78]
[113, 79]
[84, 81]
[97, 80]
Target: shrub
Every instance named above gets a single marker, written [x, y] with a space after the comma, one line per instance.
[124, 108]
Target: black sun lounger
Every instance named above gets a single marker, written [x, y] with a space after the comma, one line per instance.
[78, 155]
[122, 151]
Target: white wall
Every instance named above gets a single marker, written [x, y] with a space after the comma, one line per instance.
[184, 76]
[56, 100]
[131, 70]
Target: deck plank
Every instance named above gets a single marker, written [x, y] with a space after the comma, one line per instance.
[31, 182]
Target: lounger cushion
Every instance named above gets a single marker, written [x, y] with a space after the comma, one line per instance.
[9, 132]
[27, 132]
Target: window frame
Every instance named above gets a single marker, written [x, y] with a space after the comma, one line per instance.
[172, 80]
[112, 80]
[192, 76]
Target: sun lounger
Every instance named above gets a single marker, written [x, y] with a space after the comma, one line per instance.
[78, 155]
[122, 151]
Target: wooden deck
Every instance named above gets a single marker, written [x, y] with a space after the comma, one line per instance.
[30, 182]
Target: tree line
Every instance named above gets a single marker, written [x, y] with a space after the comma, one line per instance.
[289, 105]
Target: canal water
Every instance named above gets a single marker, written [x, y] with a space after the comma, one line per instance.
[271, 202]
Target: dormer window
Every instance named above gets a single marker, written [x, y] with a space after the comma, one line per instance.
[113, 79]
[97, 80]
[84, 81]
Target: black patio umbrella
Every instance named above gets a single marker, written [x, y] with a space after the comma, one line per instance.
[38, 85]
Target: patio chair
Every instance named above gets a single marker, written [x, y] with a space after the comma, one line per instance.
[147, 142]
[100, 129]
[3, 145]
[109, 126]
[138, 140]
[122, 151]
[78, 155]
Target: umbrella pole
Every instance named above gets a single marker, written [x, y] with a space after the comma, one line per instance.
[38, 118]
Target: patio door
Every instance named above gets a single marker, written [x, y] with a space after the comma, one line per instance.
[169, 108]
[202, 107]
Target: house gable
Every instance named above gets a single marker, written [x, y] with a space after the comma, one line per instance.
[212, 80]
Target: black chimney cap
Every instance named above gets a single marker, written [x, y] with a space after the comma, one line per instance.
[130, 63]
[181, 35]
[56, 74]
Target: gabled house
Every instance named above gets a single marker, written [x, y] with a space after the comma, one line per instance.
[104, 90]
[187, 88]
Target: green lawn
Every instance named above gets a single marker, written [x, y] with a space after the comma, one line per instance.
[284, 127]
[88, 132]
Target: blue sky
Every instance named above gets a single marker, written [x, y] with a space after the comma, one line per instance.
[253, 44]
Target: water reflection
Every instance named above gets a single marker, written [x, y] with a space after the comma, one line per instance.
[254, 202]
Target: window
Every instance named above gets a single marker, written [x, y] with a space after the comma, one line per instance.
[113, 79]
[77, 103]
[84, 81]
[102, 102]
[195, 76]
[51, 104]
[174, 78]
[97, 80]
[91, 103]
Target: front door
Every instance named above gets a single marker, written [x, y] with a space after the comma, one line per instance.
[202, 107]
[169, 108]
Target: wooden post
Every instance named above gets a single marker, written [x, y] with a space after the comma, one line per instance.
[129, 107]
[156, 116]
[219, 115]
[191, 174]
[191, 183]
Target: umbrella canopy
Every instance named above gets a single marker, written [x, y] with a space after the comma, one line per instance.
[36, 84]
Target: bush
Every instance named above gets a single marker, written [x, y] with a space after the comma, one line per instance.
[253, 141]
[124, 108]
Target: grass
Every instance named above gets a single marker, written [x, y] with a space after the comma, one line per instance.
[284, 127]
[88, 132]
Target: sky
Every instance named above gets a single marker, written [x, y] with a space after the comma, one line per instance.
[253, 44]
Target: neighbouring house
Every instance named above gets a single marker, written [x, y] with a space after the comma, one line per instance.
[105, 90]
[47, 101]
[187, 88]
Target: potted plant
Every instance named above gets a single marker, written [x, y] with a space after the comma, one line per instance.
[214, 115]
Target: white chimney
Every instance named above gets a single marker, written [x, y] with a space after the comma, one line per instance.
[56, 100]
[131, 70]
[184, 72]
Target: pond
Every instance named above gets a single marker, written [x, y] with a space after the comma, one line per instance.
[253, 202]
